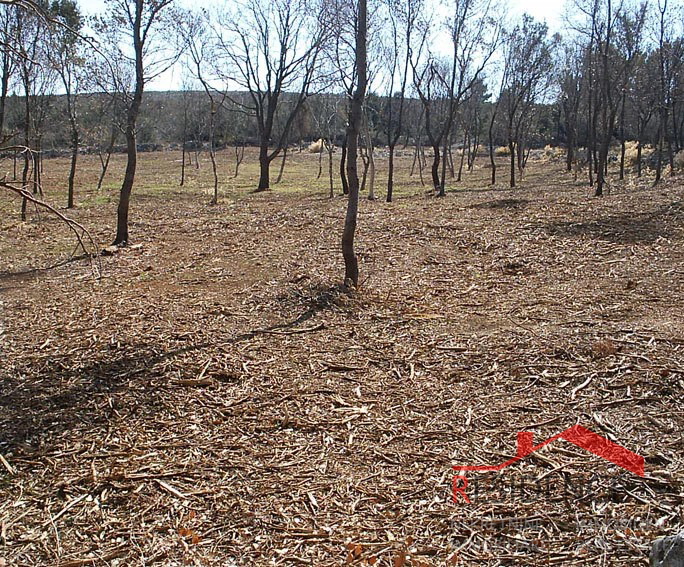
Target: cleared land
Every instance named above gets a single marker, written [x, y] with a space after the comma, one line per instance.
[215, 399]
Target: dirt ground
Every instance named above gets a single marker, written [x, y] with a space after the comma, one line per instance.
[216, 399]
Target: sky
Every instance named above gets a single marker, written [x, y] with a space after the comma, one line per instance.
[550, 11]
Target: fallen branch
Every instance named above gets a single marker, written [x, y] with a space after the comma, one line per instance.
[78, 229]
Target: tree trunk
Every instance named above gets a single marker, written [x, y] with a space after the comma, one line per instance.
[185, 141]
[37, 169]
[435, 170]
[343, 168]
[511, 148]
[104, 163]
[282, 164]
[622, 135]
[330, 149]
[492, 160]
[450, 158]
[27, 144]
[239, 156]
[371, 165]
[72, 169]
[122, 238]
[4, 88]
[320, 159]
[351, 265]
[182, 179]
[416, 156]
[466, 140]
[390, 173]
[264, 168]
[214, 170]
[363, 152]
[422, 163]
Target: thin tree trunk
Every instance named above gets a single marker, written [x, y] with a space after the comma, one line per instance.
[239, 156]
[415, 157]
[37, 185]
[435, 170]
[4, 87]
[185, 141]
[282, 164]
[351, 265]
[104, 163]
[343, 168]
[214, 169]
[363, 152]
[320, 160]
[492, 159]
[450, 156]
[27, 144]
[371, 165]
[466, 140]
[72, 169]
[122, 238]
[421, 164]
[390, 173]
[330, 148]
[623, 148]
[182, 179]
[264, 168]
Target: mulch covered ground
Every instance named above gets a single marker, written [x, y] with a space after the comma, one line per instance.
[216, 399]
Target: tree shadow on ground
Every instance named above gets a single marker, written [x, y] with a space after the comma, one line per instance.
[502, 204]
[626, 227]
[21, 275]
[41, 400]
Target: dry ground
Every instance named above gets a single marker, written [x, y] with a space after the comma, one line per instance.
[215, 399]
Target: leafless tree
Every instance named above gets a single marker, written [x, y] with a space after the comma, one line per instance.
[527, 74]
[351, 263]
[67, 57]
[135, 37]
[271, 49]
[402, 17]
[443, 84]
[201, 52]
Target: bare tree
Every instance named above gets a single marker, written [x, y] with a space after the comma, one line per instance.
[571, 83]
[528, 66]
[271, 49]
[630, 31]
[351, 263]
[7, 60]
[200, 52]
[402, 18]
[67, 57]
[442, 85]
[36, 80]
[142, 26]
